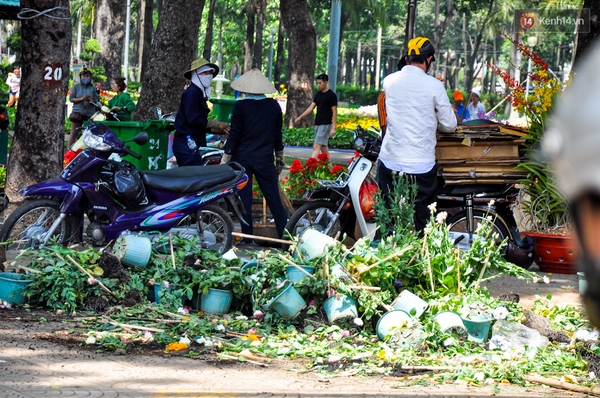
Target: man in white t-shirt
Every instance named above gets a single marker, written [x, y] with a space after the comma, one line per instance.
[417, 106]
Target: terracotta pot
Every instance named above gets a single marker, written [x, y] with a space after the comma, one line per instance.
[554, 253]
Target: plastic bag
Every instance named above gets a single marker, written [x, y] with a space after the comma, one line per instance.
[517, 338]
[366, 195]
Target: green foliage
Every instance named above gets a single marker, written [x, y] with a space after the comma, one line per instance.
[395, 216]
[92, 46]
[356, 95]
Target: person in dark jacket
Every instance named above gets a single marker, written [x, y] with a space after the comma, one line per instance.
[256, 123]
[192, 117]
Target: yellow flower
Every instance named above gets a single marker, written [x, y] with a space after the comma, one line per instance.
[177, 347]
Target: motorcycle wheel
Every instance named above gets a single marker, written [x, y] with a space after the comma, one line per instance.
[316, 215]
[458, 223]
[212, 225]
[25, 227]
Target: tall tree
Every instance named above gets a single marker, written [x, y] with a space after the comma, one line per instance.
[250, 10]
[209, 31]
[261, 5]
[301, 58]
[164, 81]
[145, 11]
[110, 32]
[584, 40]
[38, 143]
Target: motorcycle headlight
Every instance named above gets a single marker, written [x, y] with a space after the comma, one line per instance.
[94, 141]
[359, 144]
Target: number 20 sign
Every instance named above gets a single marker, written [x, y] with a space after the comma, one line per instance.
[52, 75]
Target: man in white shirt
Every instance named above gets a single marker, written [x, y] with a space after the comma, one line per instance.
[417, 106]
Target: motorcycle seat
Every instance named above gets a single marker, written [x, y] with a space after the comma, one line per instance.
[188, 178]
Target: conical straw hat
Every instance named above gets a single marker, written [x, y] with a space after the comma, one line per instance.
[253, 82]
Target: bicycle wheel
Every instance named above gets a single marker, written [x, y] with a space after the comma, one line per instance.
[458, 223]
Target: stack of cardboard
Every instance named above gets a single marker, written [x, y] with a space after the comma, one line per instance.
[483, 154]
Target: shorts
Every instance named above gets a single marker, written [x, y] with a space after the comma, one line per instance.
[13, 93]
[322, 134]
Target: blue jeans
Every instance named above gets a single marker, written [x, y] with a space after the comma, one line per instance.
[268, 181]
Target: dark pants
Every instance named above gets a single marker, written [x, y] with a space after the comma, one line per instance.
[427, 188]
[266, 177]
[183, 154]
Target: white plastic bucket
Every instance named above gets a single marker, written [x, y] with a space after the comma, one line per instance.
[407, 301]
[314, 243]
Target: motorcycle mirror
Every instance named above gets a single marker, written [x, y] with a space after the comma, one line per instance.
[141, 138]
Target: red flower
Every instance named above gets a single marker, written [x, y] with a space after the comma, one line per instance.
[296, 166]
[310, 161]
[337, 169]
[323, 156]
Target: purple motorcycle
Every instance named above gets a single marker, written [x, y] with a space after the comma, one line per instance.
[116, 198]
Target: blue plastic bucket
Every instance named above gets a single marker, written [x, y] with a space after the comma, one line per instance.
[294, 275]
[157, 288]
[133, 250]
[340, 272]
[288, 303]
[391, 322]
[478, 328]
[12, 287]
[216, 301]
[341, 307]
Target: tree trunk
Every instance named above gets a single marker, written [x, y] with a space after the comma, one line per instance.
[279, 57]
[249, 43]
[584, 40]
[110, 32]
[38, 144]
[302, 58]
[164, 81]
[208, 39]
[260, 25]
[145, 35]
[440, 27]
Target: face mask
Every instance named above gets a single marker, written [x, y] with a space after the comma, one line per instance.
[86, 80]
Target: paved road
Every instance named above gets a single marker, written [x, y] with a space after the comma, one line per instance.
[33, 368]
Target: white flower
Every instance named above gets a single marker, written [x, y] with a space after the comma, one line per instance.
[491, 203]
[441, 217]
[241, 317]
[90, 340]
[480, 376]
[500, 313]
[546, 280]
[358, 322]
[448, 342]
[183, 310]
[166, 285]
[535, 279]
[432, 207]
[258, 314]
[220, 328]
[592, 375]
[91, 280]
[148, 336]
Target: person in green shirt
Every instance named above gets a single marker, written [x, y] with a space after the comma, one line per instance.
[121, 104]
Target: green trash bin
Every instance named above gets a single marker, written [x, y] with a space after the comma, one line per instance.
[154, 152]
[222, 108]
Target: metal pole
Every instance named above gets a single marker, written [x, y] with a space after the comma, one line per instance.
[126, 55]
[378, 64]
[334, 42]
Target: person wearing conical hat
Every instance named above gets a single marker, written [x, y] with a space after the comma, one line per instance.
[192, 117]
[254, 139]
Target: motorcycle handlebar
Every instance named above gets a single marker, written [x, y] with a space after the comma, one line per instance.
[130, 152]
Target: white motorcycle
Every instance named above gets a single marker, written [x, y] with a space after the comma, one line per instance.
[338, 205]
